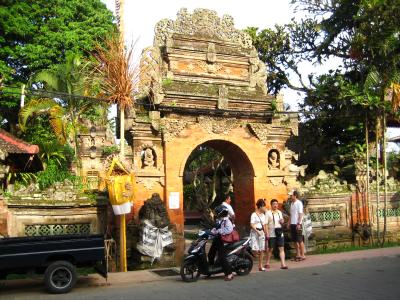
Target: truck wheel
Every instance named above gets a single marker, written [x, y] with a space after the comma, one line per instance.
[60, 277]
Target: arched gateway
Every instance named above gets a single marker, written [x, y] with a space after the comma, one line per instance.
[202, 83]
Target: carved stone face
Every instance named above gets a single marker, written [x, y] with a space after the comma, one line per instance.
[273, 155]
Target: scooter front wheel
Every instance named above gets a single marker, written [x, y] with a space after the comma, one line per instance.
[190, 271]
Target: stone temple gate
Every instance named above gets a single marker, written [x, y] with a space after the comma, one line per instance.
[203, 84]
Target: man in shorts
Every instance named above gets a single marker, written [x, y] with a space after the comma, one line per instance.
[296, 219]
[276, 238]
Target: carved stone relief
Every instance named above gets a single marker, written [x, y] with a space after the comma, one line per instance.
[261, 131]
[218, 125]
[290, 166]
[3, 168]
[150, 82]
[149, 182]
[223, 97]
[276, 180]
[258, 72]
[202, 22]
[211, 68]
[211, 54]
[148, 159]
[171, 128]
[273, 160]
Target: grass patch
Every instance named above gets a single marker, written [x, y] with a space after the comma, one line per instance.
[348, 248]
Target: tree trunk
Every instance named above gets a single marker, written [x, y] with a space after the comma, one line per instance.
[377, 128]
[367, 183]
[384, 157]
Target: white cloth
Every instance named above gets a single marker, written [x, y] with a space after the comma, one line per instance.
[226, 226]
[277, 215]
[231, 213]
[257, 240]
[307, 225]
[296, 208]
[154, 240]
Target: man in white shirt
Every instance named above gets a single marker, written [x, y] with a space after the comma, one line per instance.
[276, 237]
[296, 219]
[227, 204]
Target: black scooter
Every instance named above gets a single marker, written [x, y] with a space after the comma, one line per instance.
[239, 256]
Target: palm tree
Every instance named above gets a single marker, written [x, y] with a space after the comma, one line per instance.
[64, 111]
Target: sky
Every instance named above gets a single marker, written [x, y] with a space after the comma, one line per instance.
[142, 16]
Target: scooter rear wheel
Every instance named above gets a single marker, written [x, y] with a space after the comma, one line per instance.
[190, 271]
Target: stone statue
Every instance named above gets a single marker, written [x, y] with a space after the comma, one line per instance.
[273, 160]
[3, 168]
[148, 159]
[154, 210]
[258, 72]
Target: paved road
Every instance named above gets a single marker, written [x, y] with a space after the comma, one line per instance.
[374, 278]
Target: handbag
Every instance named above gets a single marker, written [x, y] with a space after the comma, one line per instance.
[231, 237]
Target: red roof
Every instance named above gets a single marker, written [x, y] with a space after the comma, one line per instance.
[11, 144]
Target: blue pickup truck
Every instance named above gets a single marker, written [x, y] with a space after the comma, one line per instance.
[57, 257]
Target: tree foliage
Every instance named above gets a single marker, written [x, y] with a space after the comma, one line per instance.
[38, 34]
[365, 36]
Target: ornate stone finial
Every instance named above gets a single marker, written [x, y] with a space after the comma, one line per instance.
[258, 74]
[202, 22]
[150, 83]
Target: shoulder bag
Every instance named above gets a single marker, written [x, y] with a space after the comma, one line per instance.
[230, 237]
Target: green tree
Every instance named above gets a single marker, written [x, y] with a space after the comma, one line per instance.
[37, 35]
[65, 112]
[365, 35]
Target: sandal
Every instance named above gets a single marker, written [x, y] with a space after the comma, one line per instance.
[267, 266]
[229, 277]
[297, 258]
[262, 269]
[302, 258]
[284, 267]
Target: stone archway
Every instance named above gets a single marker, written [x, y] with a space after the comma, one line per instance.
[203, 83]
[243, 178]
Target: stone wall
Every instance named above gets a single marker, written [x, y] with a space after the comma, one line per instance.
[61, 209]
[335, 219]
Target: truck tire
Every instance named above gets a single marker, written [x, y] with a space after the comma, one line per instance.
[60, 277]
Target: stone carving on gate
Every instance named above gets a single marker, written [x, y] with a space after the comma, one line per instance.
[223, 97]
[3, 167]
[149, 158]
[203, 22]
[150, 83]
[171, 128]
[258, 72]
[218, 125]
[149, 182]
[274, 159]
[261, 131]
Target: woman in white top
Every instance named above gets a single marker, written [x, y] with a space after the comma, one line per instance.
[259, 232]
